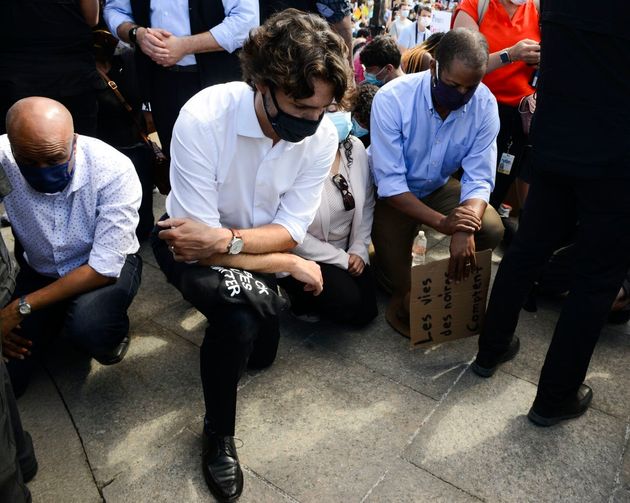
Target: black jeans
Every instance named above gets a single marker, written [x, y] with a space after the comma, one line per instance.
[235, 336]
[345, 298]
[95, 321]
[556, 204]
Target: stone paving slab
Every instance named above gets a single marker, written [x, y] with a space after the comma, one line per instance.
[64, 474]
[323, 428]
[481, 441]
[129, 411]
[176, 475]
[406, 483]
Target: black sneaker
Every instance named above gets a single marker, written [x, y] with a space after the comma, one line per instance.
[542, 415]
[486, 363]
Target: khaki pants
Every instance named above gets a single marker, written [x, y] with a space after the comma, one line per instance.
[393, 233]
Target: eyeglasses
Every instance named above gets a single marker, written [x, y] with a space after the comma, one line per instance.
[342, 184]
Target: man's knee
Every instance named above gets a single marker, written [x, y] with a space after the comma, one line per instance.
[491, 232]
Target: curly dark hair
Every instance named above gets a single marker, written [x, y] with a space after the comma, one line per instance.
[363, 104]
[291, 50]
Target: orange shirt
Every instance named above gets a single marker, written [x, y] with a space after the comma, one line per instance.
[508, 83]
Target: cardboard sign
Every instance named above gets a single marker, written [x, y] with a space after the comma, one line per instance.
[440, 310]
[440, 21]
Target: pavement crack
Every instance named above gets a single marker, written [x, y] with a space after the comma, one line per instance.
[76, 429]
[269, 484]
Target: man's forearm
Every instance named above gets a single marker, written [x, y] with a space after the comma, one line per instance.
[123, 31]
[478, 205]
[201, 42]
[411, 206]
[343, 28]
[89, 10]
[82, 279]
[267, 239]
[266, 262]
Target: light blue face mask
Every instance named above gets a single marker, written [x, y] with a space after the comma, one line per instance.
[372, 78]
[358, 130]
[342, 122]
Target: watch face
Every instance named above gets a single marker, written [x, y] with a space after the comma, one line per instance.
[24, 309]
[236, 246]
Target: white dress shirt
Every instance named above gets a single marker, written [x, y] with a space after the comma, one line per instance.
[226, 173]
[92, 221]
[172, 15]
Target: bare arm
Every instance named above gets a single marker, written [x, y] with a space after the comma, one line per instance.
[463, 218]
[90, 9]
[82, 279]
[306, 271]
[526, 50]
[194, 240]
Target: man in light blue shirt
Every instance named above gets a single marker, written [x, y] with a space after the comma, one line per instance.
[182, 46]
[424, 128]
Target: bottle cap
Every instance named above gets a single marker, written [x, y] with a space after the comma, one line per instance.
[421, 234]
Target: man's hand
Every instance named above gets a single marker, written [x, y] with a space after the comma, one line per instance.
[462, 261]
[13, 346]
[355, 265]
[152, 42]
[461, 219]
[190, 240]
[526, 50]
[177, 49]
[308, 272]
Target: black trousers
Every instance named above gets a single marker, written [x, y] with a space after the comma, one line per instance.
[345, 298]
[235, 337]
[512, 137]
[556, 204]
[170, 92]
[16, 447]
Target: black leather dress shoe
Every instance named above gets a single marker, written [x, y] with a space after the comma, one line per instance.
[221, 468]
[116, 355]
[542, 415]
[486, 364]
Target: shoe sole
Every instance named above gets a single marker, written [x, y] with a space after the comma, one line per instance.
[539, 420]
[489, 372]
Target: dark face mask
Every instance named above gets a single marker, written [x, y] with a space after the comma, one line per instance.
[288, 127]
[50, 179]
[448, 96]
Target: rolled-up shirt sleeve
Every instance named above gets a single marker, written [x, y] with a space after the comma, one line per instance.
[298, 205]
[115, 232]
[480, 162]
[386, 149]
[115, 13]
[333, 10]
[240, 17]
[194, 186]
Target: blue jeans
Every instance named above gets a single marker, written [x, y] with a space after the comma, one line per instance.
[96, 321]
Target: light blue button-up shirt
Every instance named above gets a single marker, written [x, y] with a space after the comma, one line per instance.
[172, 15]
[414, 150]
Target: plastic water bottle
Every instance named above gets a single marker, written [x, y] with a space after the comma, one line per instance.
[419, 249]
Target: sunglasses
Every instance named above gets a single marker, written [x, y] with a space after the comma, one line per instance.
[342, 184]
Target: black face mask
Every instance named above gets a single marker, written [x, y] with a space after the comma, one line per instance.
[288, 127]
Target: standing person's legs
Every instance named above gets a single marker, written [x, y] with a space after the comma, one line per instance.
[532, 246]
[603, 212]
[97, 321]
[171, 90]
[84, 109]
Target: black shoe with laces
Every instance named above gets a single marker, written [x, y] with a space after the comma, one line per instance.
[221, 468]
[548, 415]
[486, 363]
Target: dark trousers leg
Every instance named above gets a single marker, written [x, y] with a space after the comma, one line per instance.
[234, 333]
[345, 298]
[602, 261]
[14, 444]
[84, 109]
[142, 159]
[171, 91]
[538, 235]
[511, 132]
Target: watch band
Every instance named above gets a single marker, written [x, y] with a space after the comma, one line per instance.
[132, 34]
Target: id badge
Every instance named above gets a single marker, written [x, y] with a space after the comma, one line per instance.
[506, 163]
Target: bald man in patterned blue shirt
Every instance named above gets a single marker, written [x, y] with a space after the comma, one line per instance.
[73, 209]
